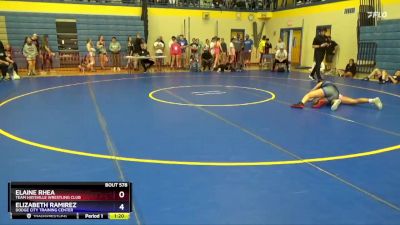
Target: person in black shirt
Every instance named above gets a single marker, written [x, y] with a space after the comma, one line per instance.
[206, 59]
[319, 44]
[330, 53]
[350, 70]
[6, 64]
[146, 63]
[268, 46]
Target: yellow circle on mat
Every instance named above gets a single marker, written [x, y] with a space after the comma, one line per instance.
[172, 162]
[151, 95]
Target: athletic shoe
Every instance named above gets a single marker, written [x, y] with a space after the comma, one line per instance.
[299, 105]
[366, 79]
[311, 77]
[320, 80]
[377, 101]
[321, 102]
[335, 104]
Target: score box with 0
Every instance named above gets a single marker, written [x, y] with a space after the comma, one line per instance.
[70, 197]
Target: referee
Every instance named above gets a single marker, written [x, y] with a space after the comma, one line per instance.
[319, 44]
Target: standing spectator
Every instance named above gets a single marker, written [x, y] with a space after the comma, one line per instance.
[232, 52]
[9, 55]
[91, 53]
[319, 45]
[350, 70]
[207, 45]
[159, 47]
[147, 62]
[115, 49]
[261, 49]
[224, 48]
[217, 53]
[39, 59]
[30, 52]
[173, 38]
[137, 45]
[330, 53]
[101, 47]
[175, 52]
[212, 44]
[238, 43]
[281, 56]
[130, 50]
[184, 43]
[268, 46]
[247, 49]
[47, 54]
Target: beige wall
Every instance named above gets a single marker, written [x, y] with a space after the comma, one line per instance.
[169, 22]
[392, 7]
[344, 30]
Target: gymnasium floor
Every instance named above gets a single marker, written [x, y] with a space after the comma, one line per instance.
[208, 148]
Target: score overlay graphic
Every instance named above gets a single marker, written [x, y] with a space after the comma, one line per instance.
[70, 200]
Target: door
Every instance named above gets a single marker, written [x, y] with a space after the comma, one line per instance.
[292, 39]
[296, 47]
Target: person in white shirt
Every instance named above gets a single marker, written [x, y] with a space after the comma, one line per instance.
[159, 50]
[91, 53]
[280, 44]
[281, 56]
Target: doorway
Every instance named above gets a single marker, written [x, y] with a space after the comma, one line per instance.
[235, 32]
[292, 37]
[67, 39]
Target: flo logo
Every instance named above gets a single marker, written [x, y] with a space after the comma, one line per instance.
[377, 14]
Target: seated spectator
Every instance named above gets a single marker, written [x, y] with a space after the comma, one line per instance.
[387, 78]
[146, 62]
[91, 53]
[350, 70]
[281, 57]
[194, 48]
[85, 64]
[5, 65]
[376, 73]
[30, 52]
[9, 55]
[395, 79]
[194, 64]
[206, 59]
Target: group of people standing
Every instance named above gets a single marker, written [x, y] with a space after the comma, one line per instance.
[216, 55]
[38, 54]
